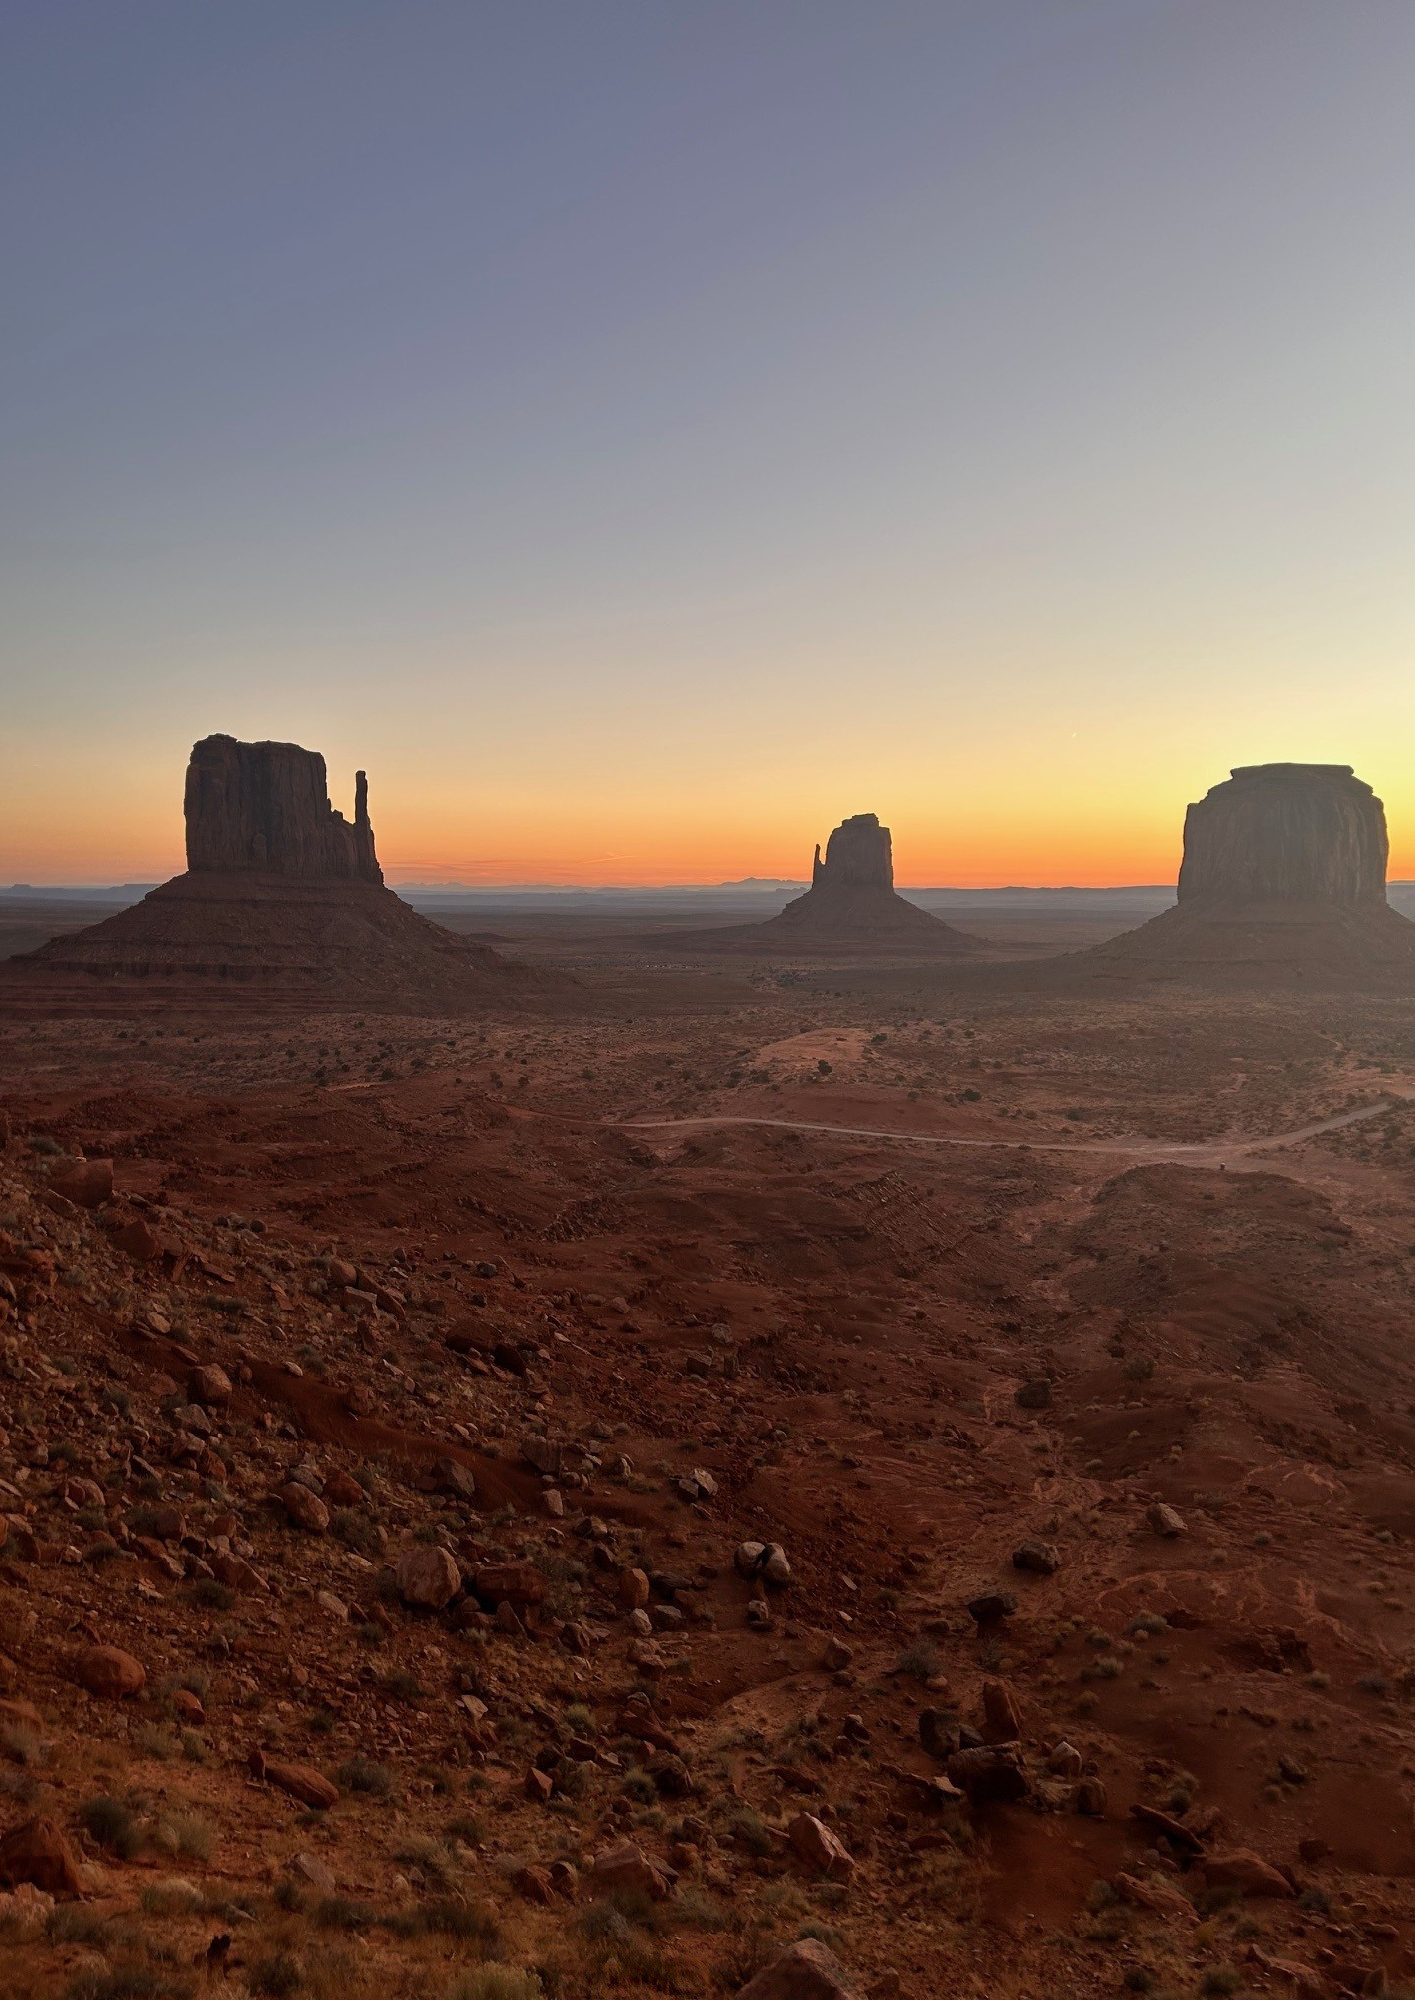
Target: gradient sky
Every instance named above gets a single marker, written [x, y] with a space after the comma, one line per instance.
[643, 432]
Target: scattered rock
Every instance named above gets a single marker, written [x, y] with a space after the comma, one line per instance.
[764, 1560]
[991, 1607]
[1164, 1520]
[1034, 1395]
[1001, 1722]
[311, 1869]
[1042, 1558]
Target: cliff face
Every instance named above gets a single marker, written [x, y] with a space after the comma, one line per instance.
[263, 808]
[858, 855]
[1286, 833]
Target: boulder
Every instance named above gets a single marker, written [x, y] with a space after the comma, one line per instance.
[209, 1385]
[455, 1478]
[820, 1849]
[1247, 1872]
[301, 1781]
[626, 1870]
[513, 1583]
[37, 1852]
[86, 1183]
[109, 1672]
[988, 1776]
[305, 1509]
[807, 1970]
[427, 1577]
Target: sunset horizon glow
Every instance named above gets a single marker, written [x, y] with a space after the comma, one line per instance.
[642, 437]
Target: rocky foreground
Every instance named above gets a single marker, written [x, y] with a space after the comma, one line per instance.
[456, 1546]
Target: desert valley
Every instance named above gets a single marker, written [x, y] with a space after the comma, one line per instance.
[846, 1456]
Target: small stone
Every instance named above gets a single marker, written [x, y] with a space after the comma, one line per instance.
[539, 1785]
[312, 1870]
[1065, 1761]
[1042, 1558]
[633, 1588]
[837, 1656]
[1034, 1395]
[991, 1606]
[1001, 1722]
[533, 1883]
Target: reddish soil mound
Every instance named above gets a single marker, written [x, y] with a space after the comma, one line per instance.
[851, 905]
[352, 943]
[1318, 944]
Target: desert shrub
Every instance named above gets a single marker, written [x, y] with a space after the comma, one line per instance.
[341, 1913]
[111, 1823]
[362, 1774]
[275, 1976]
[920, 1661]
[497, 1982]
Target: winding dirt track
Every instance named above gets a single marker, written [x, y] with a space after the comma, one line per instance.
[1214, 1150]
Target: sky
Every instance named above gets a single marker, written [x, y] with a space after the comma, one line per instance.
[641, 434]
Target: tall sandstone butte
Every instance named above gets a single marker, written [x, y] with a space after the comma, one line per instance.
[1286, 833]
[1283, 879]
[264, 808]
[281, 894]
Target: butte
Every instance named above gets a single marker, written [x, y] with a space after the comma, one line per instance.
[282, 898]
[852, 905]
[1283, 879]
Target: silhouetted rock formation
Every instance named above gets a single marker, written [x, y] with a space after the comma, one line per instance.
[858, 855]
[851, 905]
[1283, 878]
[264, 808]
[1286, 833]
[284, 895]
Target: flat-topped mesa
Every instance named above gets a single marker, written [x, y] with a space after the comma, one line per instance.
[263, 809]
[858, 855]
[1286, 833]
